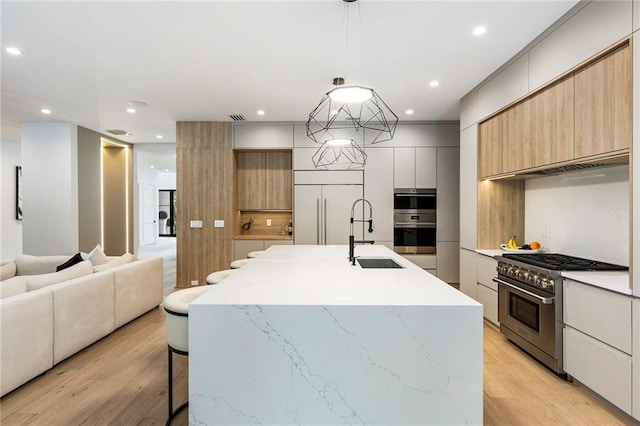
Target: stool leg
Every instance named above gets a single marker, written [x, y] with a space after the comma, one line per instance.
[170, 381]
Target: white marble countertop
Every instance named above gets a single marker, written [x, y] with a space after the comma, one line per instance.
[490, 252]
[617, 281]
[322, 275]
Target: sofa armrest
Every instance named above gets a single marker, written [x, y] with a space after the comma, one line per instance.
[7, 270]
[83, 311]
[26, 338]
[138, 288]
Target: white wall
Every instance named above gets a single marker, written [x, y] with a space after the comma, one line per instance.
[50, 191]
[584, 213]
[166, 181]
[10, 228]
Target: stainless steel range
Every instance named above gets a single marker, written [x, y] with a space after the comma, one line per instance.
[530, 300]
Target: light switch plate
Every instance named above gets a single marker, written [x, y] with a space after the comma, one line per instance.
[268, 222]
[194, 282]
[218, 223]
[196, 224]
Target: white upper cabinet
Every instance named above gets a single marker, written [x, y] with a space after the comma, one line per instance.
[448, 197]
[303, 158]
[415, 167]
[598, 25]
[378, 189]
[263, 136]
[504, 88]
[404, 167]
[416, 135]
[469, 110]
[636, 166]
[468, 187]
[426, 168]
[636, 15]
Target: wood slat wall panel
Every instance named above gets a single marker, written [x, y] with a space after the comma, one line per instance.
[500, 212]
[205, 167]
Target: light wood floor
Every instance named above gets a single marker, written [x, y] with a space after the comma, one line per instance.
[121, 380]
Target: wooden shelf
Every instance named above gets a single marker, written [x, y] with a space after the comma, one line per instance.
[263, 237]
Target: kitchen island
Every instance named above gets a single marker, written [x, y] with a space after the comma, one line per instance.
[301, 336]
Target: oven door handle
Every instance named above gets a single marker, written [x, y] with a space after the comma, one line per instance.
[544, 300]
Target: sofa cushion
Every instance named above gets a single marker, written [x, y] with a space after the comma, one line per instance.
[35, 282]
[12, 286]
[97, 256]
[7, 270]
[34, 265]
[124, 259]
[76, 258]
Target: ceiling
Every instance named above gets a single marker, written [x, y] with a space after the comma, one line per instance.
[205, 60]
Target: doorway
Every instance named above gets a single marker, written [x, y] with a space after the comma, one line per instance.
[167, 208]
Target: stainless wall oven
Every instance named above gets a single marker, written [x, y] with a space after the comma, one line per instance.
[414, 228]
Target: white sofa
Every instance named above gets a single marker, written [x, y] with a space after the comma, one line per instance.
[42, 324]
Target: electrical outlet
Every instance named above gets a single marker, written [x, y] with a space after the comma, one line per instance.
[268, 222]
[194, 282]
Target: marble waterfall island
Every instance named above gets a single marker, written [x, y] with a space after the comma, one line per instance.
[299, 336]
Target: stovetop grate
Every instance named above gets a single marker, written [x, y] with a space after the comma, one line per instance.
[562, 262]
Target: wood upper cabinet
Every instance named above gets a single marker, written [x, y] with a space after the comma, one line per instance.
[603, 104]
[264, 180]
[490, 147]
[552, 124]
[516, 137]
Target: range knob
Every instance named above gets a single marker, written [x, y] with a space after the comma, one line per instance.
[544, 282]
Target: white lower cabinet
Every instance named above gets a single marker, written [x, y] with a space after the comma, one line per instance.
[598, 342]
[636, 358]
[425, 261]
[487, 290]
[488, 297]
[447, 261]
[468, 282]
[599, 366]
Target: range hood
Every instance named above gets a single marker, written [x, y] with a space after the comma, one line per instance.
[567, 167]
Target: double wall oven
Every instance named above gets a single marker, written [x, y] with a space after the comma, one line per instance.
[414, 227]
[530, 300]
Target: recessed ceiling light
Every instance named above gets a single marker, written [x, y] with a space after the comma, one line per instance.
[45, 111]
[478, 31]
[131, 110]
[137, 104]
[434, 83]
[166, 170]
[152, 166]
[13, 51]
[158, 136]
[409, 112]
[260, 112]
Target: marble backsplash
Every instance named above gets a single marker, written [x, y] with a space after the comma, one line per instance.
[584, 213]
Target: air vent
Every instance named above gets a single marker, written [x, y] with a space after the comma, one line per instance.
[237, 117]
[570, 168]
[118, 132]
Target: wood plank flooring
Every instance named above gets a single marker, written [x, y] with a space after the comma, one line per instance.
[121, 380]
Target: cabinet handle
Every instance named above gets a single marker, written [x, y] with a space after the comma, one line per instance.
[317, 220]
[325, 221]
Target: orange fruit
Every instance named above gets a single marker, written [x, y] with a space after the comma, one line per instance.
[534, 245]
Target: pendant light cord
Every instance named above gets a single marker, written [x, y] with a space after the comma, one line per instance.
[345, 23]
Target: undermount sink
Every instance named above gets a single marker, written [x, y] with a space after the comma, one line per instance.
[378, 262]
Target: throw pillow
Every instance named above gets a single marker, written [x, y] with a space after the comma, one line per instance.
[122, 260]
[97, 256]
[7, 270]
[34, 265]
[35, 282]
[76, 258]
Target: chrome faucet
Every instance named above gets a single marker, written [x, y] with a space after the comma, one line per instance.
[352, 240]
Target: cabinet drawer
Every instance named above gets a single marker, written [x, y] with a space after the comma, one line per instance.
[601, 314]
[489, 300]
[602, 368]
[425, 261]
[486, 271]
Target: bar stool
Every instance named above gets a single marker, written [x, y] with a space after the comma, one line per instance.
[253, 254]
[237, 264]
[216, 277]
[176, 306]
